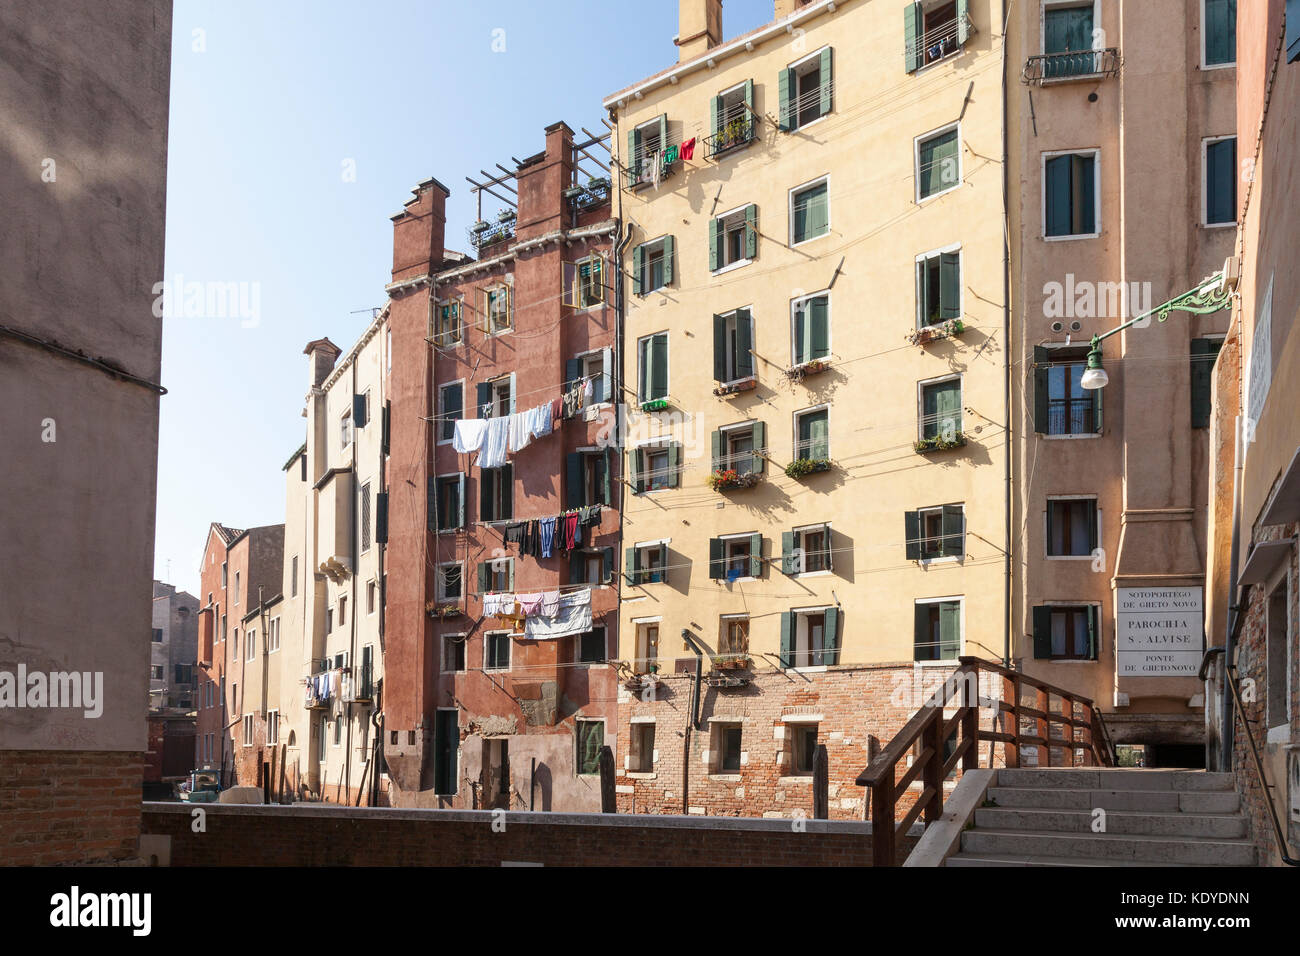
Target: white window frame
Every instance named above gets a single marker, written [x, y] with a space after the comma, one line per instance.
[798, 614]
[743, 260]
[509, 651]
[1206, 142]
[942, 559]
[249, 731]
[746, 537]
[1230, 65]
[961, 626]
[744, 426]
[1043, 157]
[273, 636]
[1073, 346]
[961, 285]
[644, 662]
[920, 399]
[577, 742]
[1280, 733]
[649, 126]
[794, 427]
[1047, 510]
[794, 313]
[826, 178]
[657, 445]
[372, 597]
[347, 433]
[668, 381]
[503, 285]
[1042, 21]
[577, 280]
[442, 409]
[581, 358]
[794, 93]
[250, 644]
[272, 727]
[916, 161]
[798, 533]
[440, 586]
[438, 304]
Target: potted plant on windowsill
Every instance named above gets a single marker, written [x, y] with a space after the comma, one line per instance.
[939, 443]
[803, 370]
[807, 466]
[728, 478]
[436, 609]
[735, 388]
[933, 333]
[731, 662]
[654, 405]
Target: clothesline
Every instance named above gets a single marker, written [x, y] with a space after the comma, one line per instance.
[547, 614]
[531, 391]
[493, 438]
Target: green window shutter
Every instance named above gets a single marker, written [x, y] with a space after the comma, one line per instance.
[719, 348]
[606, 565]
[954, 531]
[359, 411]
[484, 400]
[573, 490]
[639, 479]
[674, 464]
[831, 637]
[963, 22]
[749, 100]
[571, 372]
[1092, 526]
[826, 84]
[715, 559]
[460, 500]
[744, 342]
[659, 366]
[1204, 352]
[818, 328]
[715, 450]
[1292, 30]
[643, 370]
[663, 131]
[385, 427]
[1057, 195]
[801, 333]
[486, 479]
[661, 563]
[607, 479]
[1094, 631]
[912, 32]
[1041, 404]
[760, 445]
[1042, 633]
[381, 517]
[482, 577]
[633, 163]
[715, 115]
[812, 213]
[922, 638]
[670, 251]
[949, 285]
[751, 231]
[577, 567]
[1084, 182]
[629, 567]
[755, 555]
[715, 244]
[912, 534]
[830, 549]
[431, 502]
[787, 639]
[638, 270]
[788, 562]
[949, 630]
[784, 82]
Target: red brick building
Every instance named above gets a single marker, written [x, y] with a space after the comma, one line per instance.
[475, 714]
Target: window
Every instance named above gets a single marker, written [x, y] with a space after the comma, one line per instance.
[496, 651]
[735, 556]
[739, 448]
[184, 673]
[157, 635]
[733, 339]
[938, 532]
[450, 580]
[365, 517]
[733, 636]
[733, 238]
[810, 324]
[343, 610]
[731, 120]
[932, 30]
[329, 620]
[803, 748]
[591, 738]
[812, 435]
[937, 634]
[496, 493]
[726, 747]
[590, 647]
[370, 597]
[1204, 354]
[598, 366]
[642, 747]
[272, 727]
[584, 283]
[1219, 32]
[1062, 406]
[587, 478]
[1069, 28]
[805, 550]
[446, 749]
[446, 325]
[496, 575]
[938, 287]
[497, 306]
[1071, 195]
[250, 645]
[647, 563]
[234, 649]
[345, 429]
[652, 367]
[645, 145]
[1277, 630]
[657, 466]
[236, 588]
[450, 502]
[941, 410]
[1071, 527]
[248, 730]
[156, 672]
[223, 627]
[223, 578]
[647, 647]
[338, 731]
[496, 398]
[652, 265]
[451, 407]
[591, 566]
[810, 637]
[938, 162]
[1066, 632]
[805, 89]
[293, 577]
[273, 636]
[810, 212]
[1219, 203]
[453, 653]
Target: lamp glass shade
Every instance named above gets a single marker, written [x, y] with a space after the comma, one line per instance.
[1094, 378]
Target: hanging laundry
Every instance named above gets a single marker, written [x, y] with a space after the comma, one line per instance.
[670, 155]
[468, 435]
[546, 535]
[493, 453]
[551, 603]
[569, 614]
[543, 421]
[688, 149]
[589, 516]
[519, 433]
[515, 533]
[571, 535]
[656, 169]
[529, 603]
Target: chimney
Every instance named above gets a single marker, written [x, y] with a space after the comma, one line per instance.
[321, 356]
[541, 181]
[699, 27]
[419, 231]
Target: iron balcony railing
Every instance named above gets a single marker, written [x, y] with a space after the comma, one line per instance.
[938, 42]
[735, 131]
[485, 233]
[1070, 416]
[593, 194]
[1066, 66]
[361, 683]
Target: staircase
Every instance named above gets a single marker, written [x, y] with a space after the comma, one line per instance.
[1045, 817]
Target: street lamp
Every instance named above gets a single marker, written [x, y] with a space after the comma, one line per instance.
[1213, 294]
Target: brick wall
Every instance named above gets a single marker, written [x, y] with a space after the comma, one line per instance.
[61, 807]
[337, 836]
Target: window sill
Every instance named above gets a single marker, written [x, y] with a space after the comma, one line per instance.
[950, 662]
[1069, 557]
[1219, 225]
[943, 192]
[940, 60]
[942, 559]
[800, 129]
[1073, 437]
[731, 266]
[726, 777]
[1205, 67]
[811, 574]
[1082, 235]
[810, 669]
[790, 781]
[804, 242]
[641, 775]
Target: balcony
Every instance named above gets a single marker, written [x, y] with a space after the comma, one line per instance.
[735, 133]
[483, 233]
[1087, 64]
[584, 198]
[641, 170]
[358, 686]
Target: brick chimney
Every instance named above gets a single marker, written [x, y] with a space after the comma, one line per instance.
[321, 356]
[541, 181]
[699, 27]
[419, 231]
[786, 7]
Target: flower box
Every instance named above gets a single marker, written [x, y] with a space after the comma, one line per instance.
[735, 388]
[731, 662]
[936, 332]
[654, 405]
[481, 226]
[506, 215]
[443, 610]
[730, 478]
[802, 371]
[807, 466]
[938, 443]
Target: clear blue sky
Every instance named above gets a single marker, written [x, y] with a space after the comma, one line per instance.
[263, 117]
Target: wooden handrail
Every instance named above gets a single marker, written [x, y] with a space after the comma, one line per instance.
[927, 731]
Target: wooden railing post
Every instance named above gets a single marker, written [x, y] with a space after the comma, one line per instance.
[1043, 726]
[1067, 711]
[1011, 689]
[970, 727]
[882, 821]
[932, 775]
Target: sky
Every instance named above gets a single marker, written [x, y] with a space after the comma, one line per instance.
[297, 129]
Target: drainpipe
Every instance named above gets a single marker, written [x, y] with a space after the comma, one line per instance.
[694, 723]
[1230, 640]
[355, 548]
[1006, 338]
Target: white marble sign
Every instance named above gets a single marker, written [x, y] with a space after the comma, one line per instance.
[1159, 632]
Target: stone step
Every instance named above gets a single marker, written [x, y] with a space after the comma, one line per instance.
[1046, 798]
[1171, 823]
[1115, 778]
[1007, 859]
[1109, 847]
